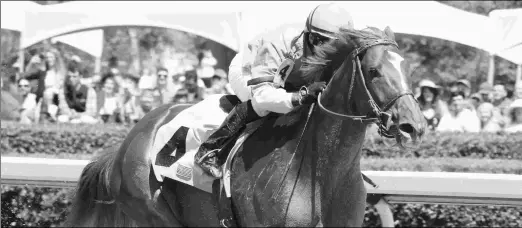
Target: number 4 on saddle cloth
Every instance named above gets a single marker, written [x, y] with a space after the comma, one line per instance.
[176, 142]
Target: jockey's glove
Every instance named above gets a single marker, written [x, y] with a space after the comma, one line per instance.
[308, 94]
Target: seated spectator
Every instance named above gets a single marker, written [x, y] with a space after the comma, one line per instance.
[9, 105]
[147, 80]
[464, 86]
[489, 119]
[150, 96]
[518, 91]
[431, 106]
[205, 68]
[181, 96]
[476, 100]
[165, 86]
[109, 105]
[515, 116]
[486, 91]
[194, 85]
[28, 100]
[218, 85]
[177, 84]
[131, 104]
[77, 101]
[500, 99]
[459, 118]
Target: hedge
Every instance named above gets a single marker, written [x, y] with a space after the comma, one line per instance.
[34, 206]
[89, 139]
[449, 144]
[450, 152]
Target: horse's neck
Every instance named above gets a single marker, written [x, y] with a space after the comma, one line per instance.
[338, 143]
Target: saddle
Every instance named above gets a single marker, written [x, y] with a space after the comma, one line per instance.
[176, 143]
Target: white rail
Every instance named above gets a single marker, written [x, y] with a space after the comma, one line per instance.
[394, 187]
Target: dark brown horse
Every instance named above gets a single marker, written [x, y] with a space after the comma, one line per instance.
[298, 169]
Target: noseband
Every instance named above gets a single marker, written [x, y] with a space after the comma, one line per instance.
[380, 116]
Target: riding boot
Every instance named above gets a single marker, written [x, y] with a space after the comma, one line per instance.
[210, 151]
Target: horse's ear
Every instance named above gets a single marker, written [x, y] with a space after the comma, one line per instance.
[389, 33]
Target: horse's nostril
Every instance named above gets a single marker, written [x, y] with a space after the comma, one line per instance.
[408, 128]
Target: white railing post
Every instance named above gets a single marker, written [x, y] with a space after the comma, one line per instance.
[385, 213]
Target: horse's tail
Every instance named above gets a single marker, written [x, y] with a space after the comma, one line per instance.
[94, 204]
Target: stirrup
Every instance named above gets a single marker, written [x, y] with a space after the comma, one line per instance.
[226, 222]
[208, 154]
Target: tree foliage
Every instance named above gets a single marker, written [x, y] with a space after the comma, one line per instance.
[144, 47]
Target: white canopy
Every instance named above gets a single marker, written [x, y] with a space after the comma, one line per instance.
[88, 41]
[13, 14]
[426, 18]
[506, 28]
[220, 21]
[213, 23]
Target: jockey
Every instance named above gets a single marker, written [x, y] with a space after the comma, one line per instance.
[269, 64]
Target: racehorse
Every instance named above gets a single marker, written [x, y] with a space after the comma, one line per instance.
[297, 169]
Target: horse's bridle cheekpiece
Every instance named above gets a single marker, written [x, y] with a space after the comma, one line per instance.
[380, 116]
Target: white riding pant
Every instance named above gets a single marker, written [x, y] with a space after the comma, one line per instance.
[265, 96]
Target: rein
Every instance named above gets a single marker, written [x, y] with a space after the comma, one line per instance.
[381, 117]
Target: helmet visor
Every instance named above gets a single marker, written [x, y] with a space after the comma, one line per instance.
[317, 39]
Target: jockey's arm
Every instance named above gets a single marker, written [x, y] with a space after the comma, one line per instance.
[266, 96]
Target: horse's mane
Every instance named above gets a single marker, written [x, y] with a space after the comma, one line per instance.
[336, 51]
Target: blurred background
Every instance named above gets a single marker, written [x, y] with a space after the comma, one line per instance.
[109, 63]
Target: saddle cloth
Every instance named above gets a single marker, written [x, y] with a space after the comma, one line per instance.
[177, 142]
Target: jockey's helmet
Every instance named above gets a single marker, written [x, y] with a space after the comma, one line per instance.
[326, 20]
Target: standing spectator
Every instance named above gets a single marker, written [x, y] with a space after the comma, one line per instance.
[432, 107]
[500, 99]
[459, 118]
[77, 101]
[35, 73]
[53, 82]
[110, 107]
[205, 68]
[49, 76]
[489, 119]
[28, 100]
[515, 115]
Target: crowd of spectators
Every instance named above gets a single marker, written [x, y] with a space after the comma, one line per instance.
[490, 109]
[52, 89]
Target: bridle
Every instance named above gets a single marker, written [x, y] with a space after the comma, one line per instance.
[379, 115]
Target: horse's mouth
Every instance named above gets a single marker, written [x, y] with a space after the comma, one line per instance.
[404, 140]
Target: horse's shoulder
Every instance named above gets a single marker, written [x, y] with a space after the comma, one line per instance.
[278, 129]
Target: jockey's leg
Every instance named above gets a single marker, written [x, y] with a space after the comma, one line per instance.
[210, 150]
